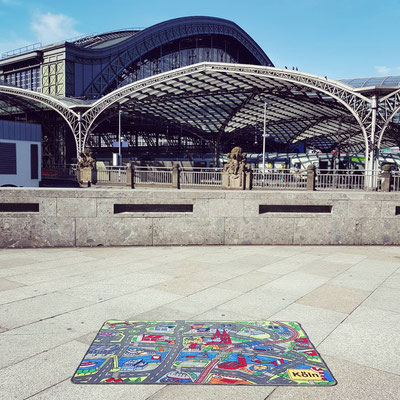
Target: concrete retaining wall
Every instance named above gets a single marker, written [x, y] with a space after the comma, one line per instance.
[88, 217]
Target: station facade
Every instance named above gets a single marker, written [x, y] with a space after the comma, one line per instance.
[188, 86]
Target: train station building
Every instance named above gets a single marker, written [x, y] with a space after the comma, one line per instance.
[193, 85]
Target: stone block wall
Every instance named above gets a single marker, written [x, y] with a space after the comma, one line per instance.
[112, 217]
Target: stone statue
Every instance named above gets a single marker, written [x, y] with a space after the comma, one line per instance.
[237, 173]
[86, 159]
[236, 162]
[86, 167]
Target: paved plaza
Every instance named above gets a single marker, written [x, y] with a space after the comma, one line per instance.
[53, 302]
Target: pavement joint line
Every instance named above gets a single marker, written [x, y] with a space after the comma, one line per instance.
[45, 269]
[243, 293]
[74, 286]
[356, 308]
[323, 355]
[161, 388]
[47, 388]
[268, 396]
[54, 316]
[38, 354]
[202, 290]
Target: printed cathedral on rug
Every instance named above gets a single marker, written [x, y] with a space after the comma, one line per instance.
[196, 352]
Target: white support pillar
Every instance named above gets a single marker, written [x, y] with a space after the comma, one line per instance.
[79, 146]
[119, 137]
[371, 162]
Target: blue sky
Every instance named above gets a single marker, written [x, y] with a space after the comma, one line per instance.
[337, 38]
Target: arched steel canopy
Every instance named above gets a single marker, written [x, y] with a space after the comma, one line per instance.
[220, 101]
[228, 99]
[14, 101]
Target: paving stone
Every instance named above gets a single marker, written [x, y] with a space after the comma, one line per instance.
[335, 298]
[384, 298]
[317, 322]
[296, 284]
[325, 268]
[368, 337]
[29, 310]
[355, 382]
[116, 286]
[366, 275]
[174, 392]
[317, 286]
[163, 313]
[41, 371]
[392, 282]
[37, 265]
[7, 285]
[16, 346]
[290, 264]
[188, 284]
[259, 305]
[218, 314]
[66, 390]
[246, 282]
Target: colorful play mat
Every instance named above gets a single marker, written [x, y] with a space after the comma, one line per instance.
[196, 352]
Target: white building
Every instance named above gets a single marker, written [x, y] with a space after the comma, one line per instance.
[20, 154]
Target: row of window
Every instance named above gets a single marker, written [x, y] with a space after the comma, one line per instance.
[145, 68]
[27, 79]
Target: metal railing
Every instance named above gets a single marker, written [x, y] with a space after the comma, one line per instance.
[340, 179]
[21, 50]
[396, 181]
[201, 177]
[112, 175]
[326, 179]
[347, 179]
[153, 175]
[279, 179]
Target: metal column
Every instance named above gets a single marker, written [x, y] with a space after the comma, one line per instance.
[79, 144]
[371, 162]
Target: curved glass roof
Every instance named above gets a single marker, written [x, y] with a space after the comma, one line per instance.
[105, 39]
[374, 81]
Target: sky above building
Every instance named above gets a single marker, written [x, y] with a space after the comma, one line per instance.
[337, 38]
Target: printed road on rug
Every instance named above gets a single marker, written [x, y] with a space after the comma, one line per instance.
[193, 352]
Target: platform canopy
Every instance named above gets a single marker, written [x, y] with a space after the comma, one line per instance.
[221, 105]
[219, 102]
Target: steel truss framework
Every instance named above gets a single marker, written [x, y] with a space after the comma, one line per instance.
[134, 48]
[226, 99]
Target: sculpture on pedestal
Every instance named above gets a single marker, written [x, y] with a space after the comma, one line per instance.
[86, 168]
[237, 173]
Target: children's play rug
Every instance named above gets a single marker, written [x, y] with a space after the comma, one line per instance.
[193, 352]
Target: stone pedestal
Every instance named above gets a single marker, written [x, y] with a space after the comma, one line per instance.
[386, 181]
[176, 177]
[242, 180]
[87, 176]
[311, 174]
[130, 175]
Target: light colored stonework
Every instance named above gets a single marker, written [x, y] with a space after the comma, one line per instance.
[86, 217]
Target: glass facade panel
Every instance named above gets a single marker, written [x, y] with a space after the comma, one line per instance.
[146, 68]
[26, 79]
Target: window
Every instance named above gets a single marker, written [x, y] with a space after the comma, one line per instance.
[8, 159]
[34, 161]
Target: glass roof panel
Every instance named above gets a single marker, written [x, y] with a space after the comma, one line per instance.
[374, 81]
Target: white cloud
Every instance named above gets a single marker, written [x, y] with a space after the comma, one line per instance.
[10, 2]
[384, 71]
[52, 28]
